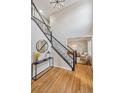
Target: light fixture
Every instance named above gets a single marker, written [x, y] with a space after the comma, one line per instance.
[41, 11]
[57, 3]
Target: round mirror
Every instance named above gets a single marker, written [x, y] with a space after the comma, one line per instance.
[41, 46]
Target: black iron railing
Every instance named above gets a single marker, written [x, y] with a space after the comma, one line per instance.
[44, 26]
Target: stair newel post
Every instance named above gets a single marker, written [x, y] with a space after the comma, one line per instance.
[73, 61]
[75, 52]
[51, 37]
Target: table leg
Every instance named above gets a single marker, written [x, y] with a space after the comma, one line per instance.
[35, 72]
[31, 71]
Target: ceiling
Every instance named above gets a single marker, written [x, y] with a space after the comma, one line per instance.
[48, 9]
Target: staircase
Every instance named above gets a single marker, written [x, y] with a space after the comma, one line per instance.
[44, 26]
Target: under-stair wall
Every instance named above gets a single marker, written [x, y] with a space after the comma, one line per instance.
[36, 35]
[59, 62]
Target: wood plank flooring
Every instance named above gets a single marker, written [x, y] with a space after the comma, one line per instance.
[60, 80]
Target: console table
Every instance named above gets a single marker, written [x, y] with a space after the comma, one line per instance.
[34, 64]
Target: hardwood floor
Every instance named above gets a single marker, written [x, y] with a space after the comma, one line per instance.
[60, 80]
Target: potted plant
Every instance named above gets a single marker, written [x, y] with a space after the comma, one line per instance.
[36, 55]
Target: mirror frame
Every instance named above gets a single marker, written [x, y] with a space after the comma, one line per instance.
[40, 41]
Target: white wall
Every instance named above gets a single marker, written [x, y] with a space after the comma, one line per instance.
[73, 21]
[59, 62]
[36, 35]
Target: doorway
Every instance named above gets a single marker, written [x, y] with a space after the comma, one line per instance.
[83, 47]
